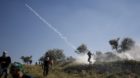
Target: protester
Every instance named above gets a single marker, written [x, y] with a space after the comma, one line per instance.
[89, 57]
[5, 62]
[47, 64]
[16, 71]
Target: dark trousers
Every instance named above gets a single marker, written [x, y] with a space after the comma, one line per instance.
[45, 70]
[89, 59]
[4, 71]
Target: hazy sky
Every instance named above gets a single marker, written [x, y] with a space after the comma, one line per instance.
[93, 22]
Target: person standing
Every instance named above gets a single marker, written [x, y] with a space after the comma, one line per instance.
[5, 62]
[46, 65]
[89, 57]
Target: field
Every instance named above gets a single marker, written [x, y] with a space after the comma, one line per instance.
[118, 69]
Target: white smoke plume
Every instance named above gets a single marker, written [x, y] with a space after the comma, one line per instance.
[51, 27]
[83, 59]
[133, 54]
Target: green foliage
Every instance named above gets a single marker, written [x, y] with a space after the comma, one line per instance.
[82, 49]
[114, 43]
[127, 44]
[26, 59]
[41, 59]
[70, 59]
[55, 54]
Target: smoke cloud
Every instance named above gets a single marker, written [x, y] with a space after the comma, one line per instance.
[83, 59]
[133, 54]
[51, 27]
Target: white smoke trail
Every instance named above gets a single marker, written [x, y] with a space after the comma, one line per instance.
[50, 26]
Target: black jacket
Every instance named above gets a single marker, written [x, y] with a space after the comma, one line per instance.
[5, 61]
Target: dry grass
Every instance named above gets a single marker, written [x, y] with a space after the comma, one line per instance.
[59, 72]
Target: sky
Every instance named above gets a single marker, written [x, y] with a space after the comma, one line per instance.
[92, 22]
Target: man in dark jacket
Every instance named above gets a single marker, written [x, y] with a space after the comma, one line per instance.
[5, 61]
[46, 65]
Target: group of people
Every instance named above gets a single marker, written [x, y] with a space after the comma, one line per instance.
[7, 67]
[16, 69]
